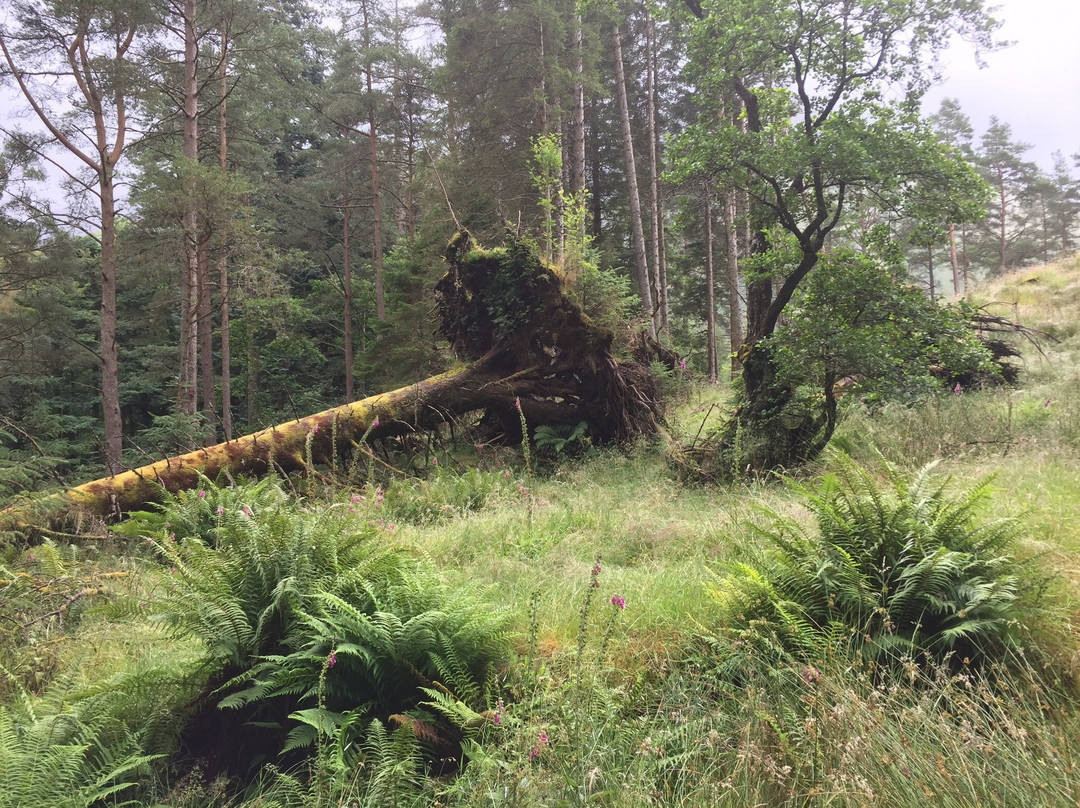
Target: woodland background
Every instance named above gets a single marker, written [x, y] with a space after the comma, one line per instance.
[280, 181]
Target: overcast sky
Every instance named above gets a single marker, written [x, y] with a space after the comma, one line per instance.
[1034, 85]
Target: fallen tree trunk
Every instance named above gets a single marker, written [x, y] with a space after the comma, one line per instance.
[531, 352]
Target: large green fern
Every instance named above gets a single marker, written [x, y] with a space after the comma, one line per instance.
[898, 570]
[59, 760]
[380, 655]
[240, 577]
[307, 624]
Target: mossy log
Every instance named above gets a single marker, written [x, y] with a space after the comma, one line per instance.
[505, 313]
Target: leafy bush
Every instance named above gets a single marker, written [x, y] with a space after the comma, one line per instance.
[900, 573]
[306, 622]
[445, 494]
[861, 320]
[373, 651]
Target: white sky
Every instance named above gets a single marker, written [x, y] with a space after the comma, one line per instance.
[1034, 85]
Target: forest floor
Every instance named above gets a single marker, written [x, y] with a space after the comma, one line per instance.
[607, 568]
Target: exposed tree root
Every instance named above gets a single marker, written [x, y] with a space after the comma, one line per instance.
[532, 353]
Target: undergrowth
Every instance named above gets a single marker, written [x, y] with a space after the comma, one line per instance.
[873, 634]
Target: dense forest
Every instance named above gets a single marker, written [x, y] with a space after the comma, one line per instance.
[221, 215]
[530, 403]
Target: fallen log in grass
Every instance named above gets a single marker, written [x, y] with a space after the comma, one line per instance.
[531, 353]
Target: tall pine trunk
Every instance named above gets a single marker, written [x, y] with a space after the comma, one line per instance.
[735, 316]
[660, 320]
[641, 267]
[223, 261]
[711, 361]
[1002, 210]
[346, 249]
[577, 173]
[187, 393]
[930, 266]
[206, 340]
[110, 365]
[376, 203]
[954, 260]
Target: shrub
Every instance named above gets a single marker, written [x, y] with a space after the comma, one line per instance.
[907, 571]
[308, 625]
[446, 494]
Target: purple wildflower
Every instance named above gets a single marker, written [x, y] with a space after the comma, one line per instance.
[958, 389]
[618, 601]
[202, 495]
[375, 423]
[331, 661]
[534, 753]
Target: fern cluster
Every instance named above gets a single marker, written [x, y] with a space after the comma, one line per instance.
[444, 495]
[382, 650]
[64, 759]
[311, 630]
[898, 572]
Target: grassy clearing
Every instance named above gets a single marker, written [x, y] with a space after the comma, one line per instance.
[626, 687]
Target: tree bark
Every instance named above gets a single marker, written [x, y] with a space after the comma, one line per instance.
[376, 203]
[110, 366]
[930, 265]
[660, 317]
[346, 260]
[713, 370]
[187, 392]
[1002, 218]
[735, 317]
[206, 343]
[595, 199]
[223, 266]
[954, 260]
[641, 267]
[577, 174]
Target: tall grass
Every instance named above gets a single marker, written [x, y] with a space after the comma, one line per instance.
[636, 692]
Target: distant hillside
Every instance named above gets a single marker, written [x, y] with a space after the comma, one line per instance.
[1045, 297]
